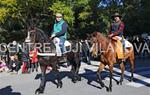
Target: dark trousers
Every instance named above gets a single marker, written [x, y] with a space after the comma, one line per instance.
[14, 65]
[34, 66]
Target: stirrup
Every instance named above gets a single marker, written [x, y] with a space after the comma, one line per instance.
[123, 60]
[63, 53]
[58, 54]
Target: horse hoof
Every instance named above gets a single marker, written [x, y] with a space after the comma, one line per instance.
[39, 91]
[109, 89]
[102, 84]
[131, 80]
[59, 85]
[120, 83]
[79, 78]
[74, 81]
[89, 63]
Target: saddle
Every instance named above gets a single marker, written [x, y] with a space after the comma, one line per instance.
[57, 50]
[121, 46]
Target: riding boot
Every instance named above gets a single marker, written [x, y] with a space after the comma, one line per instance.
[57, 66]
[36, 69]
[63, 59]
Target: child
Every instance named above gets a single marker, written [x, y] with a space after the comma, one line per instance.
[34, 59]
[3, 66]
[14, 64]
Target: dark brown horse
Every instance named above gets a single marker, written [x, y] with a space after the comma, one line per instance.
[47, 57]
[105, 48]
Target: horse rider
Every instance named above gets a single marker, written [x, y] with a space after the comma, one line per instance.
[59, 33]
[116, 33]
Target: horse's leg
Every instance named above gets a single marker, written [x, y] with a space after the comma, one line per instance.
[132, 64]
[75, 71]
[122, 67]
[43, 80]
[101, 67]
[73, 68]
[110, 76]
[57, 75]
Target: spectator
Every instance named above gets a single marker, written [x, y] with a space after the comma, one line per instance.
[26, 60]
[3, 66]
[34, 59]
[14, 64]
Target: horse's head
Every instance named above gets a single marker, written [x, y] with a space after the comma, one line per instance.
[31, 35]
[37, 38]
[94, 42]
[36, 35]
[99, 43]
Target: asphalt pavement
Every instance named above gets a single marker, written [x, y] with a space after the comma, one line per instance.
[26, 84]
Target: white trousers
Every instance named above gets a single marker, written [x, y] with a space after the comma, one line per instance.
[56, 41]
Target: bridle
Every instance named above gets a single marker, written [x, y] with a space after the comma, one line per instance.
[29, 40]
[34, 32]
[96, 46]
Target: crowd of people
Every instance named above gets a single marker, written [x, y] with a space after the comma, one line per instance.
[19, 57]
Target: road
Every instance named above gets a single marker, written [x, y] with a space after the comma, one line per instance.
[26, 84]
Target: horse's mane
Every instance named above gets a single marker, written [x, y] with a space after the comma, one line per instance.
[44, 36]
[101, 39]
[100, 36]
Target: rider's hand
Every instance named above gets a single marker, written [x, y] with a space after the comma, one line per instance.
[52, 36]
[110, 36]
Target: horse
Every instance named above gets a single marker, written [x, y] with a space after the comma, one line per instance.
[47, 57]
[104, 47]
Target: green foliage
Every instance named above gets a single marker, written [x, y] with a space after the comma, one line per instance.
[83, 16]
[7, 8]
[3, 14]
[85, 13]
[66, 10]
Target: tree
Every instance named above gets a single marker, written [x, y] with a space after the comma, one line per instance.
[83, 16]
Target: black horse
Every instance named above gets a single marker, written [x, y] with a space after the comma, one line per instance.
[48, 57]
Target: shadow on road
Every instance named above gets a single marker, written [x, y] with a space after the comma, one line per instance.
[90, 76]
[51, 76]
[142, 82]
[8, 91]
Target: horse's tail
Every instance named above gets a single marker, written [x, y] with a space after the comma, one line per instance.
[131, 54]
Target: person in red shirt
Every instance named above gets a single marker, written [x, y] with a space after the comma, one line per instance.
[117, 27]
[34, 59]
